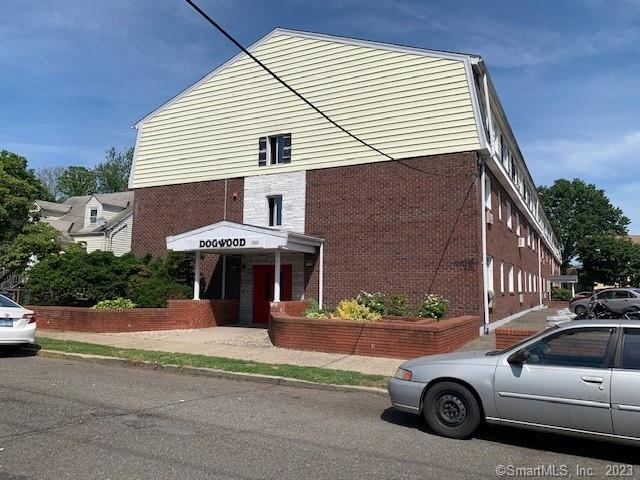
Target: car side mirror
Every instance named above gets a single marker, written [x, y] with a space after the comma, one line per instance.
[518, 358]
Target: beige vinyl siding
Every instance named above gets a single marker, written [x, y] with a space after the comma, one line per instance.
[121, 237]
[406, 104]
[93, 242]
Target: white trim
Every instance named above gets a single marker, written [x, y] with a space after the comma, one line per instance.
[133, 160]
[473, 92]
[485, 280]
[196, 277]
[319, 36]
[276, 276]
[321, 277]
[500, 323]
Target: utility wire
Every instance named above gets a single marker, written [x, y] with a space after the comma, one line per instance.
[300, 96]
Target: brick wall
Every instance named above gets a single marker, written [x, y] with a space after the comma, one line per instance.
[386, 226]
[179, 314]
[506, 337]
[172, 209]
[376, 339]
[502, 245]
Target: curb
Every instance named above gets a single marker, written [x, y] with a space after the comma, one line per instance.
[211, 372]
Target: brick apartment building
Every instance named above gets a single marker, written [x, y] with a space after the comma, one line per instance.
[281, 204]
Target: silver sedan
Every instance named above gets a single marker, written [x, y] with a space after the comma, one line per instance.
[579, 378]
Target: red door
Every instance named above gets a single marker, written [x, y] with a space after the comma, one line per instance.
[263, 289]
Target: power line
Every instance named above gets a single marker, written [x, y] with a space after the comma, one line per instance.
[300, 96]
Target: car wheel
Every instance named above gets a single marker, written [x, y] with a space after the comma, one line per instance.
[580, 309]
[451, 410]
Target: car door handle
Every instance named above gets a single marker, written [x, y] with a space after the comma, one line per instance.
[592, 379]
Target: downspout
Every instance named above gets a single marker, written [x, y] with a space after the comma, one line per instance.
[539, 271]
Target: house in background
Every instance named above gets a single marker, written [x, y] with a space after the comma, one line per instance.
[100, 221]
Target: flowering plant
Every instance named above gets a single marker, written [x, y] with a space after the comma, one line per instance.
[434, 306]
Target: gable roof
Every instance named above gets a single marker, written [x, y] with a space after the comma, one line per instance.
[317, 36]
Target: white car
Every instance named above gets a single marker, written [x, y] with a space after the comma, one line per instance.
[17, 324]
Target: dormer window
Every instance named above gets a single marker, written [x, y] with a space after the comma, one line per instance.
[274, 150]
[93, 216]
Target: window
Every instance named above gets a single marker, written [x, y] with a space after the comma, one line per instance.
[606, 295]
[519, 281]
[93, 216]
[5, 302]
[501, 277]
[517, 215]
[489, 273]
[499, 204]
[622, 294]
[509, 215]
[631, 349]
[510, 273]
[275, 210]
[487, 192]
[585, 347]
[274, 150]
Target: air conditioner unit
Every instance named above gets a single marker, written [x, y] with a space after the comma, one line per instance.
[521, 242]
[490, 218]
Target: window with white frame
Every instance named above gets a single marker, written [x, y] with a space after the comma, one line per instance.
[499, 204]
[489, 273]
[487, 192]
[501, 277]
[509, 215]
[518, 229]
[93, 215]
[519, 281]
[275, 210]
[274, 150]
[510, 278]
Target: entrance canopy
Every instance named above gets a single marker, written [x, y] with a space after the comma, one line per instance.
[229, 237]
[224, 238]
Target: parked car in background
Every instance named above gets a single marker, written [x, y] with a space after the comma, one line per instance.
[619, 300]
[17, 324]
[579, 378]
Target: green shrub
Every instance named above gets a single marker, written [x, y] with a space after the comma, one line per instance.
[78, 278]
[373, 301]
[561, 294]
[117, 303]
[353, 310]
[434, 306]
[314, 310]
[396, 306]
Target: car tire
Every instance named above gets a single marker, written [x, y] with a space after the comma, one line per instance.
[451, 410]
[580, 309]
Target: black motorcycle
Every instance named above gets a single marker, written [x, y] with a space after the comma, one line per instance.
[600, 311]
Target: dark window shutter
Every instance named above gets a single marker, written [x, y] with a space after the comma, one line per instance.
[262, 152]
[286, 148]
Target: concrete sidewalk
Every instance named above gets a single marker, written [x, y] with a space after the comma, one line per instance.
[231, 342]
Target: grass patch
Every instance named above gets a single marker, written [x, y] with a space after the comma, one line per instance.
[311, 374]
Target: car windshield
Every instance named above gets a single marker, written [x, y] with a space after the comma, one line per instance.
[493, 353]
[5, 302]
[637, 290]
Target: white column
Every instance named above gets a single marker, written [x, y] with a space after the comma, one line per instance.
[573, 290]
[224, 276]
[196, 278]
[276, 277]
[320, 276]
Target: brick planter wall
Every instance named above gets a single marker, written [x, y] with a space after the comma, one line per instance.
[392, 339]
[556, 304]
[179, 314]
[506, 337]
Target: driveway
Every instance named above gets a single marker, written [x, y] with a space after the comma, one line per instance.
[68, 419]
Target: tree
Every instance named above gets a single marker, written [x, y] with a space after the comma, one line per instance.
[112, 175]
[50, 179]
[609, 260]
[76, 181]
[19, 188]
[36, 241]
[577, 210]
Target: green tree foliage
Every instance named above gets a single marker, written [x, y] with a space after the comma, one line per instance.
[78, 278]
[609, 260]
[76, 181]
[36, 241]
[19, 188]
[50, 179]
[112, 175]
[576, 210]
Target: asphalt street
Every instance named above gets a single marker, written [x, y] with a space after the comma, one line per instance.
[64, 419]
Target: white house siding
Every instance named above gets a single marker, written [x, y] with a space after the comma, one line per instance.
[120, 237]
[292, 187]
[93, 242]
[296, 260]
[404, 103]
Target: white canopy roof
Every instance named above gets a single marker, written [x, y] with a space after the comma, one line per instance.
[230, 237]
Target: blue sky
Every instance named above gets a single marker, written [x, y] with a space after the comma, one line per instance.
[76, 75]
